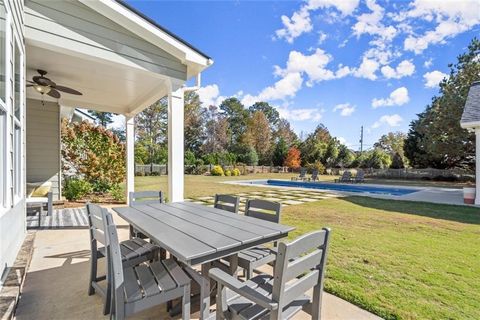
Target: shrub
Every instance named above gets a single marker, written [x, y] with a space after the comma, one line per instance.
[93, 152]
[117, 193]
[236, 172]
[217, 171]
[317, 165]
[76, 189]
[228, 173]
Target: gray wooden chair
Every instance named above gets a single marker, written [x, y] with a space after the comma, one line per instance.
[300, 266]
[227, 202]
[302, 176]
[133, 251]
[140, 198]
[144, 286]
[261, 255]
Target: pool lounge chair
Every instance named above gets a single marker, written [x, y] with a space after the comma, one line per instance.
[314, 176]
[360, 177]
[302, 176]
[345, 178]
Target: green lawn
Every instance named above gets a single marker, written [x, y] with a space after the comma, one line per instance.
[398, 259]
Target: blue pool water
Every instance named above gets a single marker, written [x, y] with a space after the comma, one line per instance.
[339, 187]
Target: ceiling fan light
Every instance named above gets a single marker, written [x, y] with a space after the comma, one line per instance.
[42, 89]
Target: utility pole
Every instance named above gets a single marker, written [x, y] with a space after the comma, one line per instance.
[361, 140]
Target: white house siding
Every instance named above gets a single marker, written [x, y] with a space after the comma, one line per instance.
[62, 21]
[12, 211]
[43, 144]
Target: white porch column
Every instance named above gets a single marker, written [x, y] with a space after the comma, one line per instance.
[175, 146]
[130, 135]
[477, 165]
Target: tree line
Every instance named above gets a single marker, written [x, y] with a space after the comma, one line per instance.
[234, 134]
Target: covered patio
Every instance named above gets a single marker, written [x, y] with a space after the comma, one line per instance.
[120, 61]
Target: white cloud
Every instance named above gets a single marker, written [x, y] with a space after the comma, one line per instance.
[286, 87]
[393, 120]
[322, 36]
[311, 114]
[345, 109]
[210, 95]
[428, 63]
[398, 97]
[450, 17]
[367, 69]
[296, 25]
[404, 69]
[300, 21]
[432, 79]
[370, 23]
[346, 7]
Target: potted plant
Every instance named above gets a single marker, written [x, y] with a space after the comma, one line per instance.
[469, 193]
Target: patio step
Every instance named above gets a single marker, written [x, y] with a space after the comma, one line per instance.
[12, 286]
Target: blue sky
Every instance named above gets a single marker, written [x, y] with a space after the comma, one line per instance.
[343, 63]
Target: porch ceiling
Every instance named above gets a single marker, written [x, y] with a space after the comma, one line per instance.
[106, 86]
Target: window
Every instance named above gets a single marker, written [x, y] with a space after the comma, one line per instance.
[3, 50]
[3, 108]
[17, 134]
[3, 160]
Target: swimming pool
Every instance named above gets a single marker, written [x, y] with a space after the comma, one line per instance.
[387, 190]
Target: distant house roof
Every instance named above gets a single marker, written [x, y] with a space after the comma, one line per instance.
[471, 112]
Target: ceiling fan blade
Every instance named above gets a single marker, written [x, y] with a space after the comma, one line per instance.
[68, 90]
[54, 93]
[43, 81]
[29, 85]
[30, 81]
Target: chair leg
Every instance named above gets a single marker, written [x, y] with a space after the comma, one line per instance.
[186, 302]
[93, 272]
[317, 302]
[249, 272]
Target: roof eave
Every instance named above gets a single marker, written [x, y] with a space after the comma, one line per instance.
[152, 32]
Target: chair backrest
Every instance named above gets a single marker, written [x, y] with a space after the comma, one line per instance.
[314, 174]
[304, 258]
[97, 223]
[347, 175]
[227, 202]
[263, 209]
[360, 175]
[303, 172]
[114, 260]
[145, 197]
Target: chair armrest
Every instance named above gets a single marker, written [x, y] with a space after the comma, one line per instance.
[242, 289]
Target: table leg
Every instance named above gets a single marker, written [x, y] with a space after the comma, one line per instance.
[233, 262]
[205, 292]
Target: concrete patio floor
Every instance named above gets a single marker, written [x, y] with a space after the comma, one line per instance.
[56, 283]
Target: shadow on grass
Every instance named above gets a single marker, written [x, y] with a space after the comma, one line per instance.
[455, 213]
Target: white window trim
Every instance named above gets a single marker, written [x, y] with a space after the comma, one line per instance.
[18, 194]
[4, 105]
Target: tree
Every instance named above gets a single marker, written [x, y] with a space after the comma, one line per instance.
[436, 139]
[151, 130]
[237, 117]
[397, 162]
[293, 158]
[102, 118]
[195, 120]
[285, 132]
[315, 146]
[392, 143]
[280, 153]
[249, 157]
[258, 135]
[216, 133]
[270, 112]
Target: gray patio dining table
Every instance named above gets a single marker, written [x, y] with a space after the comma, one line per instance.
[198, 235]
